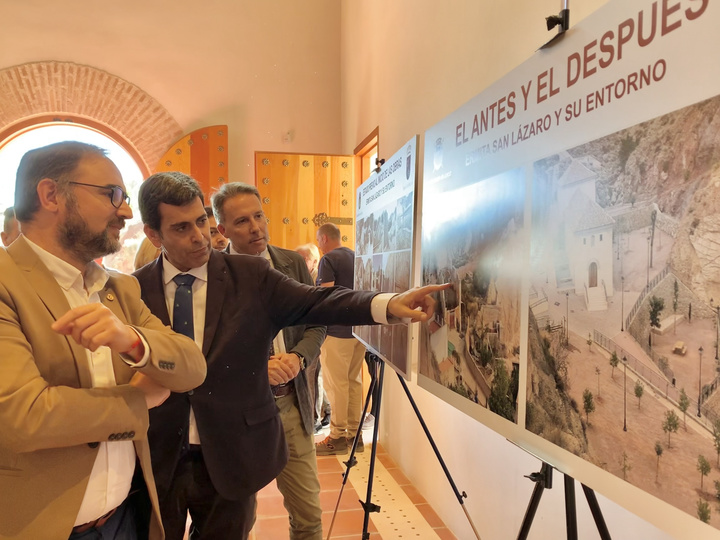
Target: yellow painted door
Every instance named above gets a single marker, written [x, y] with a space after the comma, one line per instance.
[201, 154]
[300, 192]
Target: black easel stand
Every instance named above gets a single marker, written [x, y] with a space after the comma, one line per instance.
[543, 480]
[375, 391]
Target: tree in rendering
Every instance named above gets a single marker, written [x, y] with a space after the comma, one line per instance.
[626, 467]
[588, 404]
[501, 400]
[703, 467]
[614, 361]
[676, 295]
[670, 424]
[703, 511]
[658, 453]
[716, 439]
[639, 391]
[684, 404]
[656, 307]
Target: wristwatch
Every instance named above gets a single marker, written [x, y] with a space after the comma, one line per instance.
[303, 364]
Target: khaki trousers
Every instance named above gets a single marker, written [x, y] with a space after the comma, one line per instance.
[342, 360]
[298, 482]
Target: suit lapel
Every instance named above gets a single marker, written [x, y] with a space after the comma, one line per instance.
[216, 286]
[51, 294]
[109, 298]
[280, 261]
[154, 295]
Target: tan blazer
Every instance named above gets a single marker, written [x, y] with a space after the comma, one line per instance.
[49, 414]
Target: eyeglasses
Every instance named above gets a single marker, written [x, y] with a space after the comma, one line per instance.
[117, 194]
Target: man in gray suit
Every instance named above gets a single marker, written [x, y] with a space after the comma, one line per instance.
[241, 219]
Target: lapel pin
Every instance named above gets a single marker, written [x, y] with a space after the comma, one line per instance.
[110, 296]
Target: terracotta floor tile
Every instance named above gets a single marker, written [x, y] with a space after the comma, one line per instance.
[414, 495]
[349, 501]
[330, 480]
[271, 506]
[270, 490]
[329, 464]
[399, 477]
[272, 529]
[430, 516]
[386, 460]
[445, 534]
[346, 522]
[272, 522]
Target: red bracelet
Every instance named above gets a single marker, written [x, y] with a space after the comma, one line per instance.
[134, 345]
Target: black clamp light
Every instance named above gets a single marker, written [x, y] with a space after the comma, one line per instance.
[561, 20]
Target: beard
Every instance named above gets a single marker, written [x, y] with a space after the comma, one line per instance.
[77, 238]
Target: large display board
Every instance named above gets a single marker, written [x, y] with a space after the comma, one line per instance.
[573, 205]
[383, 247]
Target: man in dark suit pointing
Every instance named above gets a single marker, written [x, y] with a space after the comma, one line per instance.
[214, 448]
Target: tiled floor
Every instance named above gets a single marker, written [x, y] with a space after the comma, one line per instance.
[404, 512]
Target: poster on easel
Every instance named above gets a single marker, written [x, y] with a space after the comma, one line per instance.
[573, 205]
[383, 247]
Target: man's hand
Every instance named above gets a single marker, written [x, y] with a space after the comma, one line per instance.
[93, 326]
[283, 368]
[415, 304]
[155, 395]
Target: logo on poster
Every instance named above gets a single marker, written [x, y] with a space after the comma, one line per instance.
[408, 164]
[438, 156]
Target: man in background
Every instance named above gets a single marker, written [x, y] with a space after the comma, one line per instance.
[83, 359]
[342, 355]
[295, 352]
[11, 228]
[218, 241]
[311, 254]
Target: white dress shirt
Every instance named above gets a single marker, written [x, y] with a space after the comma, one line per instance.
[114, 465]
[199, 290]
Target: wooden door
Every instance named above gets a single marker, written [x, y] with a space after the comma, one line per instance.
[201, 154]
[299, 192]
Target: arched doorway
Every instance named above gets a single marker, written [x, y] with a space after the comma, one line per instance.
[592, 275]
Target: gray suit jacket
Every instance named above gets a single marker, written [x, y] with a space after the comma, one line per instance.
[305, 340]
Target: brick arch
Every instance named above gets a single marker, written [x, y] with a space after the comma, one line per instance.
[40, 92]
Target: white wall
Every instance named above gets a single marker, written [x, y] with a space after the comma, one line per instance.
[406, 64]
[263, 68]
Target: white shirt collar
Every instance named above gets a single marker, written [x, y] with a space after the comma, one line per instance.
[169, 271]
[93, 279]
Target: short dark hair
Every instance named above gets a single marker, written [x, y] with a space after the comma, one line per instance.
[209, 212]
[56, 161]
[9, 214]
[172, 187]
[228, 191]
[330, 230]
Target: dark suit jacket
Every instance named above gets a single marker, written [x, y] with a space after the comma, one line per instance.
[247, 304]
[305, 340]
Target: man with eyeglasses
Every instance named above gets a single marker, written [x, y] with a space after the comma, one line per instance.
[83, 359]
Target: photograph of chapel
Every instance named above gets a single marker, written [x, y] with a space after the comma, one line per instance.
[624, 302]
[383, 263]
[472, 344]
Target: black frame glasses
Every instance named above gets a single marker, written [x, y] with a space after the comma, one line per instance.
[117, 194]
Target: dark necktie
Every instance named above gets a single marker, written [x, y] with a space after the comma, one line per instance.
[183, 308]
